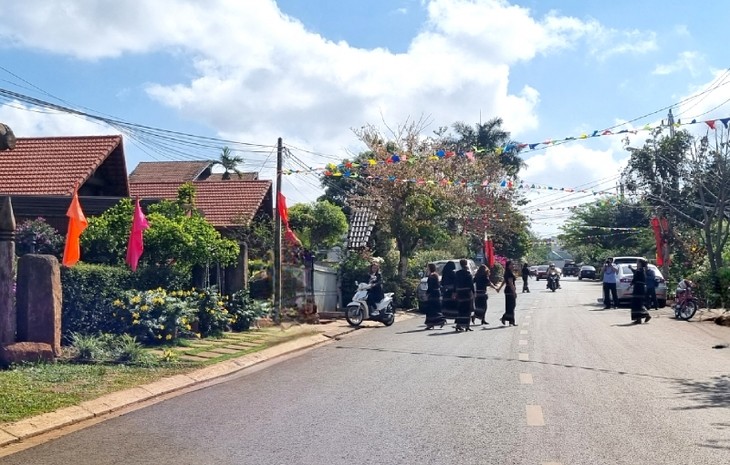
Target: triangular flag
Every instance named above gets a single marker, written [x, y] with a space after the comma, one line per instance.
[135, 246]
[284, 214]
[711, 123]
[76, 225]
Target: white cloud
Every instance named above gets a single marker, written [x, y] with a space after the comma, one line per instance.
[27, 122]
[686, 60]
[261, 74]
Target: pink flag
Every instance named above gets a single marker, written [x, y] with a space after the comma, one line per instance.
[136, 245]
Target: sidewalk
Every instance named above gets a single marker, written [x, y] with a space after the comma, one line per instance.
[326, 331]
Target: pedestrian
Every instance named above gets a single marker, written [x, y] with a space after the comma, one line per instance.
[481, 283]
[610, 272]
[510, 295]
[434, 317]
[651, 300]
[464, 296]
[525, 277]
[448, 280]
[638, 295]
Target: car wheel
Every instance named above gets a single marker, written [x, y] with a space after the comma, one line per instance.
[580, 278]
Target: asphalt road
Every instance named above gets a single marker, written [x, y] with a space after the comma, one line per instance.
[572, 384]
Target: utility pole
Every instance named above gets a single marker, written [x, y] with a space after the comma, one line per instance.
[277, 235]
[670, 120]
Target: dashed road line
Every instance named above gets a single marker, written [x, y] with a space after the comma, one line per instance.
[523, 342]
[523, 331]
[525, 378]
[523, 357]
[534, 415]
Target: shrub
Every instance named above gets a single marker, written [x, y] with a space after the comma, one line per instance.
[47, 239]
[212, 315]
[156, 316]
[245, 310]
[404, 292]
[353, 268]
[108, 348]
[88, 295]
[87, 348]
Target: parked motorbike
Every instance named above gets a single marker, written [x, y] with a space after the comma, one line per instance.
[552, 281]
[357, 311]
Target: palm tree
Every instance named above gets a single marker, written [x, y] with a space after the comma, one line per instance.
[489, 136]
[230, 163]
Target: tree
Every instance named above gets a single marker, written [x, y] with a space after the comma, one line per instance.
[608, 228]
[488, 137]
[230, 163]
[420, 197]
[689, 178]
[318, 224]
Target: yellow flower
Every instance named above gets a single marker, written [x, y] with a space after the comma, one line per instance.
[136, 299]
[144, 308]
[159, 336]
[168, 337]
[188, 327]
[197, 335]
[220, 303]
[118, 303]
[135, 322]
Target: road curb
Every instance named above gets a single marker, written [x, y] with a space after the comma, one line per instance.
[20, 430]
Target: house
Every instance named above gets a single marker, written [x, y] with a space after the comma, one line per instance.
[226, 204]
[41, 173]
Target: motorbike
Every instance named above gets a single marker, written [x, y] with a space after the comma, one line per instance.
[552, 283]
[357, 311]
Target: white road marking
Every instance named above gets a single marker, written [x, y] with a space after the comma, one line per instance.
[525, 378]
[534, 415]
[523, 357]
[523, 342]
[523, 331]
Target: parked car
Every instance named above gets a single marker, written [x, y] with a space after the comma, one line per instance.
[541, 272]
[533, 270]
[571, 269]
[587, 272]
[626, 260]
[626, 274]
[423, 284]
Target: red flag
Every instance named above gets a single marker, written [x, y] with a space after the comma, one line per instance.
[135, 246]
[658, 239]
[488, 251]
[76, 225]
[284, 214]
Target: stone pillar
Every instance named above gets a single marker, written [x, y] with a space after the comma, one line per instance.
[39, 299]
[7, 262]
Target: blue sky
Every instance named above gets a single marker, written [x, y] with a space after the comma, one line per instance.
[309, 71]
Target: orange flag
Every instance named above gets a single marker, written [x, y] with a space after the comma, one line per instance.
[76, 225]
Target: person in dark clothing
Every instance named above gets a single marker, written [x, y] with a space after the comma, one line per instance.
[510, 295]
[434, 317]
[375, 294]
[525, 277]
[638, 295]
[464, 296]
[481, 283]
[448, 282]
[651, 300]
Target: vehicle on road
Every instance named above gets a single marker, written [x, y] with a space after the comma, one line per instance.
[587, 272]
[552, 280]
[570, 269]
[541, 272]
[685, 304]
[421, 291]
[357, 311]
[627, 260]
[623, 284]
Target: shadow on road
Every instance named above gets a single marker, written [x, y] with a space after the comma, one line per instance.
[712, 393]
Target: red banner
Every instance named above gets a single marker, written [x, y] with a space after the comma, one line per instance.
[284, 214]
[660, 228]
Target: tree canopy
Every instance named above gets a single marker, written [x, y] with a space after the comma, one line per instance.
[318, 224]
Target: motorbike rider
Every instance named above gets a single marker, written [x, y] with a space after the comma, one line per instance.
[375, 293]
[553, 271]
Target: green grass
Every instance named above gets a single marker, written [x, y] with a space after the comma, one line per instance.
[32, 389]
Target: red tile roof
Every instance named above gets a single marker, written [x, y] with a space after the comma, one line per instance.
[56, 165]
[168, 171]
[223, 203]
[245, 176]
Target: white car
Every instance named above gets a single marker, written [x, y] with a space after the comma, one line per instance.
[626, 274]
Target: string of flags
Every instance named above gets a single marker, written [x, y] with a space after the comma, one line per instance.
[349, 169]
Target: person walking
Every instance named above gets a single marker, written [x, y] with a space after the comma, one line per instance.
[464, 296]
[651, 300]
[434, 317]
[510, 295]
[481, 283]
[610, 272]
[448, 281]
[525, 277]
[638, 295]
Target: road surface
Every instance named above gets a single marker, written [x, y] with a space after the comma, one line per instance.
[572, 384]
